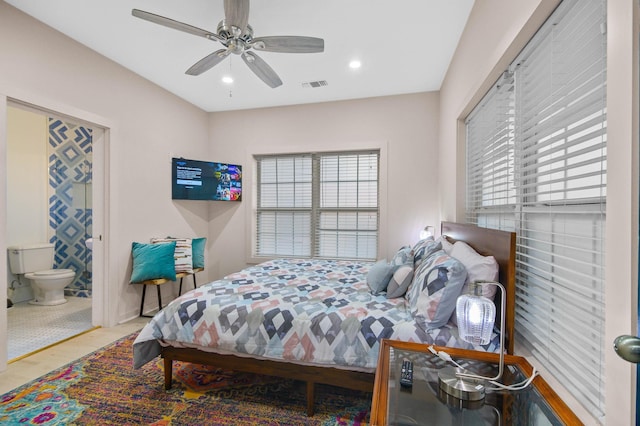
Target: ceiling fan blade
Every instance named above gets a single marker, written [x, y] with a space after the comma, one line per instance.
[289, 44]
[208, 62]
[176, 25]
[261, 69]
[236, 14]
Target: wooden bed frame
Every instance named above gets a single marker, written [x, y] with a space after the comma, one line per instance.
[499, 244]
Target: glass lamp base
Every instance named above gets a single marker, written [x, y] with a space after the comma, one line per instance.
[464, 389]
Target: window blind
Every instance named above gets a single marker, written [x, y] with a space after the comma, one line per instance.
[318, 205]
[536, 158]
[284, 206]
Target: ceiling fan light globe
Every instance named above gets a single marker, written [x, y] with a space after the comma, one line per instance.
[237, 32]
[236, 46]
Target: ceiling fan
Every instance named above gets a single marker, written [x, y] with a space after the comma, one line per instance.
[236, 35]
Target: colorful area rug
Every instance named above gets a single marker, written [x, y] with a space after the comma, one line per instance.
[103, 389]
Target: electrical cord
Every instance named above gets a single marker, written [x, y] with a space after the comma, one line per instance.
[498, 386]
[516, 386]
[444, 356]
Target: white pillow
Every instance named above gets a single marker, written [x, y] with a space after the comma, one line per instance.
[446, 245]
[479, 268]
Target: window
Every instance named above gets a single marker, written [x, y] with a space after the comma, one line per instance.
[318, 205]
[536, 165]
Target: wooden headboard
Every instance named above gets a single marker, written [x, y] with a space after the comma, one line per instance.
[502, 246]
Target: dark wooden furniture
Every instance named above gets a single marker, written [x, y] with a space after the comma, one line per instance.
[158, 282]
[425, 404]
[500, 244]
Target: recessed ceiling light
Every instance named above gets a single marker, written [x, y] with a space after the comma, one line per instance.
[227, 79]
[355, 64]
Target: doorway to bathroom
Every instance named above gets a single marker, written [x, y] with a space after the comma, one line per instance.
[49, 201]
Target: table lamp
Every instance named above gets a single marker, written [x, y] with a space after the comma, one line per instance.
[428, 231]
[476, 317]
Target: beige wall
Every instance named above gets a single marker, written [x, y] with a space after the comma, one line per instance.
[27, 204]
[404, 127]
[146, 125]
[495, 33]
[27, 187]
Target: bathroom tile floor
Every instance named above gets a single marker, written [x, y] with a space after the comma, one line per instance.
[32, 327]
[33, 366]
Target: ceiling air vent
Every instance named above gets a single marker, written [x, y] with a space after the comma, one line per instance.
[314, 84]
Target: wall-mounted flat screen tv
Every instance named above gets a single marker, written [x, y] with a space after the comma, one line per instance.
[205, 180]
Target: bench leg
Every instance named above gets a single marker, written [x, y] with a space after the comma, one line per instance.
[194, 281]
[144, 291]
[159, 299]
[180, 289]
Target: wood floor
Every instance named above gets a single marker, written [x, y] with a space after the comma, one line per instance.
[34, 366]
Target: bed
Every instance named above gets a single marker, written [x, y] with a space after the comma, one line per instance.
[317, 321]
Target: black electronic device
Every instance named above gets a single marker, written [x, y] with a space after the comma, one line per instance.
[406, 374]
[205, 180]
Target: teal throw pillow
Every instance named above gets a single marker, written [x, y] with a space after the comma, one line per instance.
[197, 252]
[153, 261]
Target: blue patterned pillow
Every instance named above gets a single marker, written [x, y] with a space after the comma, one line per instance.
[434, 291]
[153, 261]
[423, 249]
[403, 256]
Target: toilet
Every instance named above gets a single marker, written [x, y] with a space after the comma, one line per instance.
[35, 262]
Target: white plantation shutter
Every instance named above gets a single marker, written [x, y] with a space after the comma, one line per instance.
[551, 190]
[318, 205]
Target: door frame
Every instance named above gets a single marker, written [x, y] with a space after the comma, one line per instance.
[104, 296]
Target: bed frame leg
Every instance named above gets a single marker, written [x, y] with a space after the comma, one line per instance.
[310, 398]
[168, 373]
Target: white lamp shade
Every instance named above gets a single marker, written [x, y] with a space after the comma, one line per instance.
[428, 231]
[476, 316]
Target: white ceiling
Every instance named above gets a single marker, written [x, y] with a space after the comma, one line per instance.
[405, 46]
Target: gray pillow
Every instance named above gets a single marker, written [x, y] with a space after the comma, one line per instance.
[379, 275]
[400, 281]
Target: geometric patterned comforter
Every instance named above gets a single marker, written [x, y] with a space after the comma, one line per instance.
[318, 312]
